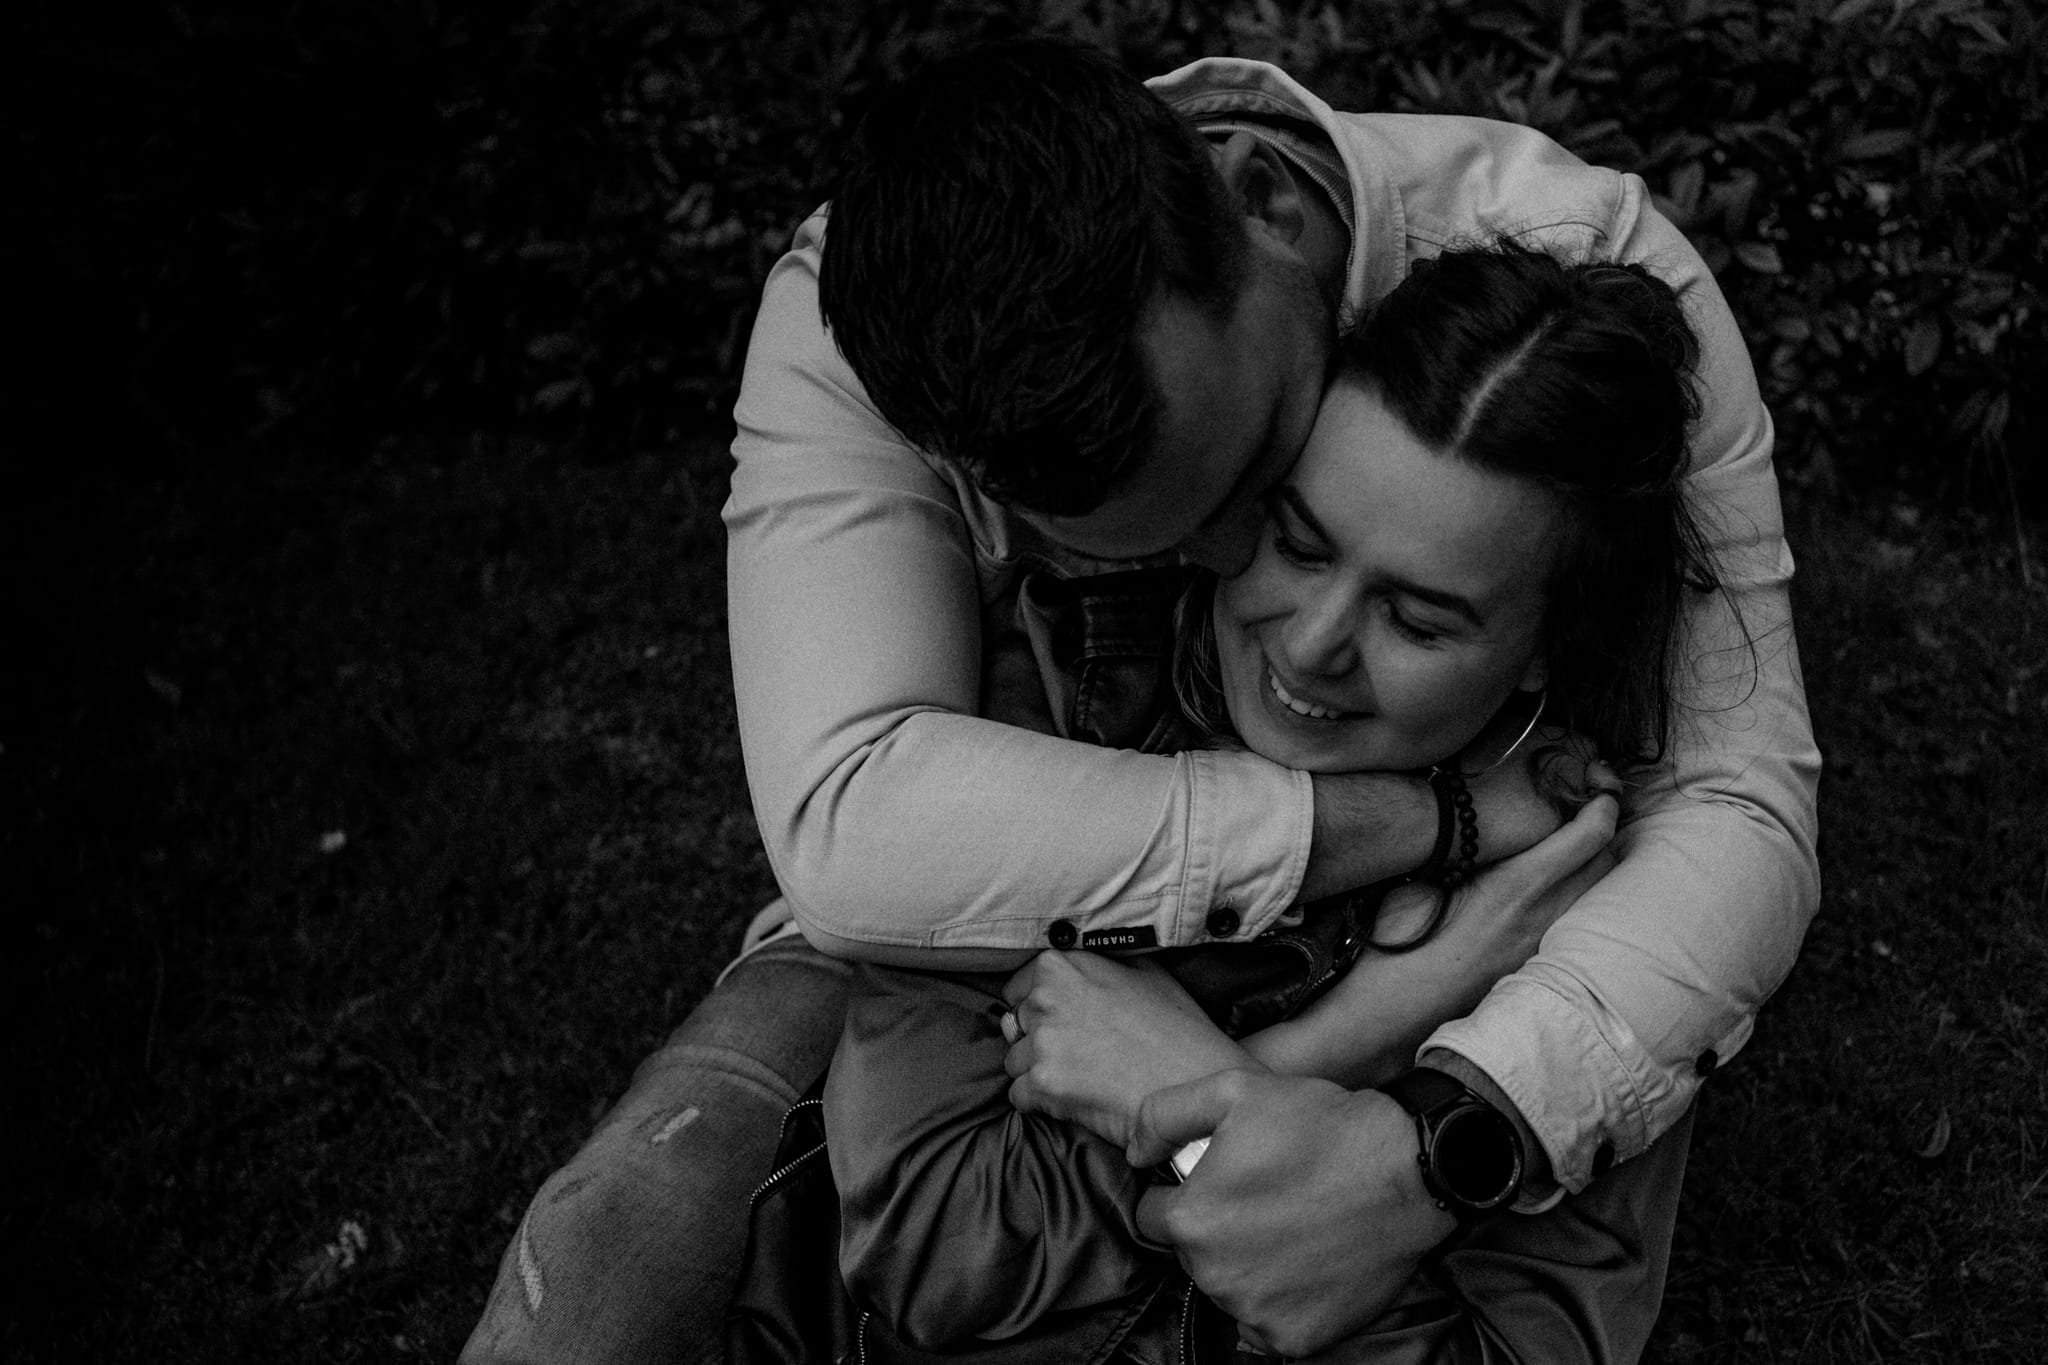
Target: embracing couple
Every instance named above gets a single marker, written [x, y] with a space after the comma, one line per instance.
[1188, 546]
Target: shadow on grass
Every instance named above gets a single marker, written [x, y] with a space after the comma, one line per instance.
[379, 819]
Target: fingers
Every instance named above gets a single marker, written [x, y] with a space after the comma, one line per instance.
[1251, 1339]
[1021, 981]
[1169, 1119]
[1604, 780]
[1582, 840]
[1021, 1057]
[1568, 772]
[1155, 1210]
[1024, 1096]
[1565, 893]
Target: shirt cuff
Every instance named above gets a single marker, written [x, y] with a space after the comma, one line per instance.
[1588, 1091]
[1249, 826]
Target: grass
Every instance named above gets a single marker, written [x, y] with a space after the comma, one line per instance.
[375, 819]
[1870, 1180]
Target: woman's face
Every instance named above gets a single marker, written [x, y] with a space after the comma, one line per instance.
[1395, 600]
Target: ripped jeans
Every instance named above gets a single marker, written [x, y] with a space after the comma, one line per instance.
[629, 1252]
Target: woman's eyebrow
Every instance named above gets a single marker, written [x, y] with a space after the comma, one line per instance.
[1436, 597]
[1291, 496]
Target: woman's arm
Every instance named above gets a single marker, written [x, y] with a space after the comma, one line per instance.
[1368, 1027]
[1099, 1035]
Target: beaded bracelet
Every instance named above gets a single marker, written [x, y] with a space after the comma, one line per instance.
[1456, 820]
[1451, 781]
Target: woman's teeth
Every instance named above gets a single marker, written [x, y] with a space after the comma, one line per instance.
[1296, 705]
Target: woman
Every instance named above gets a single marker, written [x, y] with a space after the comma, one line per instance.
[1486, 526]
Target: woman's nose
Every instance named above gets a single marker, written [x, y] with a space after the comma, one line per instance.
[1321, 636]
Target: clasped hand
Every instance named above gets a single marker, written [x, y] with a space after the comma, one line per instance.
[1268, 1225]
[1095, 1035]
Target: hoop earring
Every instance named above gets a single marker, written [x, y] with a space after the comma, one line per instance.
[1542, 700]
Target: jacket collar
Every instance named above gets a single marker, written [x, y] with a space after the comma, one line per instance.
[1218, 86]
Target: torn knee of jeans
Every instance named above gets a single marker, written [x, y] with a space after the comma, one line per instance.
[675, 1123]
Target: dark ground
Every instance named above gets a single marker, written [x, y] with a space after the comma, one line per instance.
[367, 823]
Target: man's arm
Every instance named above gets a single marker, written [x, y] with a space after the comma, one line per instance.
[1367, 1029]
[1596, 1046]
[1269, 1223]
[1602, 1039]
[897, 822]
[1655, 976]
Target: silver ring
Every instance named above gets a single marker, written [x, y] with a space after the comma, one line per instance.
[1013, 1028]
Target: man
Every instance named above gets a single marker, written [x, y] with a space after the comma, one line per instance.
[1079, 326]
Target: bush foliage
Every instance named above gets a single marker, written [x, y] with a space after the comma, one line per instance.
[328, 219]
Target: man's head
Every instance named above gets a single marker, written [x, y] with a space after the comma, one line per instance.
[1043, 274]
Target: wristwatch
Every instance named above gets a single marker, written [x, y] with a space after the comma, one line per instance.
[1471, 1155]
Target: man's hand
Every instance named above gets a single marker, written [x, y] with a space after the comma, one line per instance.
[1093, 1036]
[1306, 1217]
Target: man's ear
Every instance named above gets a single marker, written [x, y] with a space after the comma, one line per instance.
[1258, 181]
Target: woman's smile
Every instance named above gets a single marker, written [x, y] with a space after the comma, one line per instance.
[1301, 706]
[1394, 603]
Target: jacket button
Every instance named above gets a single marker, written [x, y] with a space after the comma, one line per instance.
[1603, 1159]
[1062, 934]
[1222, 922]
[1708, 1061]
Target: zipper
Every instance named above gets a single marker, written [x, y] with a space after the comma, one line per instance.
[1343, 958]
[1344, 955]
[784, 1171]
[808, 1102]
[1187, 1324]
[1303, 996]
[860, 1338]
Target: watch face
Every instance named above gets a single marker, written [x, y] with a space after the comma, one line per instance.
[1476, 1157]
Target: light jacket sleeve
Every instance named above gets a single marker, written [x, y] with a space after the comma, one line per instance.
[1654, 978]
[901, 827]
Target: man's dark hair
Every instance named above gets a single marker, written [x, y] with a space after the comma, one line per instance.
[1000, 223]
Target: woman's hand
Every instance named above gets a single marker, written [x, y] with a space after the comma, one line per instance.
[1091, 1037]
[1523, 796]
[1369, 1025]
[1497, 921]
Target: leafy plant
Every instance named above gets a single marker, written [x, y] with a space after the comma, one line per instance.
[1862, 176]
[330, 220]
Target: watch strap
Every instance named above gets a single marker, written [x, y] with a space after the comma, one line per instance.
[1435, 1098]
[1422, 1090]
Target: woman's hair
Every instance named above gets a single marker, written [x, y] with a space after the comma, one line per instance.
[1578, 378]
